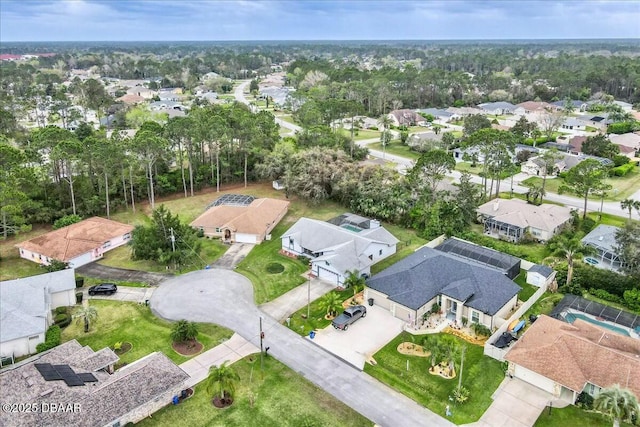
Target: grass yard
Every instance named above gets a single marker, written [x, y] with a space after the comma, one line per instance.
[396, 148]
[466, 167]
[11, 265]
[545, 304]
[127, 321]
[527, 289]
[277, 397]
[267, 286]
[534, 252]
[481, 376]
[286, 118]
[120, 257]
[302, 325]
[573, 416]
[623, 186]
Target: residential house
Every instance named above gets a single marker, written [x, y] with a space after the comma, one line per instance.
[406, 117]
[339, 246]
[531, 107]
[504, 263]
[78, 380]
[468, 154]
[575, 145]
[25, 309]
[166, 105]
[540, 275]
[142, 91]
[460, 287]
[511, 219]
[497, 108]
[603, 240]
[576, 104]
[574, 124]
[77, 244]
[625, 106]
[249, 222]
[630, 141]
[425, 141]
[440, 116]
[462, 112]
[599, 120]
[278, 95]
[566, 161]
[131, 99]
[568, 359]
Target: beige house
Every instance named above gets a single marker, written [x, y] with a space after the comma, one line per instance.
[247, 221]
[77, 244]
[510, 219]
[566, 359]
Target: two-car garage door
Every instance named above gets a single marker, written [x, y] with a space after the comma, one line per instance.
[534, 378]
[326, 274]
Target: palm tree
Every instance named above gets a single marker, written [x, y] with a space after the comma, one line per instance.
[618, 403]
[86, 314]
[630, 204]
[354, 280]
[221, 382]
[570, 247]
[434, 346]
[385, 123]
[184, 331]
[330, 303]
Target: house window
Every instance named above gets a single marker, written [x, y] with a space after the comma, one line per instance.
[592, 390]
[218, 230]
[127, 236]
[475, 317]
[536, 232]
[106, 244]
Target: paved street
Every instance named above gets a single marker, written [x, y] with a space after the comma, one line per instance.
[226, 298]
[281, 307]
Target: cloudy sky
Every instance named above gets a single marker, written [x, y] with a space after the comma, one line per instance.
[121, 20]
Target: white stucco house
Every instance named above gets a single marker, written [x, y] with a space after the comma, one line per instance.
[343, 244]
[77, 244]
[25, 309]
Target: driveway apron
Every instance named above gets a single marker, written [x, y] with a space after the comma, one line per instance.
[226, 298]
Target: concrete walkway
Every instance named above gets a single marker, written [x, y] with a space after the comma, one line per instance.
[232, 350]
[125, 293]
[112, 273]
[232, 257]
[283, 306]
[516, 404]
[226, 298]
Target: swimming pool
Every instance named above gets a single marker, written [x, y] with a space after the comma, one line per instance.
[591, 261]
[571, 317]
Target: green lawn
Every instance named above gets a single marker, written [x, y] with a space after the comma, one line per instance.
[302, 325]
[212, 249]
[527, 289]
[545, 304]
[396, 148]
[409, 242]
[534, 252]
[573, 416]
[286, 118]
[361, 134]
[267, 286]
[623, 186]
[11, 265]
[466, 167]
[275, 397]
[130, 322]
[481, 376]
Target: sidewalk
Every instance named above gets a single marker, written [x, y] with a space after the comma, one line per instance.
[232, 350]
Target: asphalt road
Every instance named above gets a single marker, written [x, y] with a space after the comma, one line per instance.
[226, 298]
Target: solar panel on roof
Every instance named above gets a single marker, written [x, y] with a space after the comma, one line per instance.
[48, 372]
[68, 376]
[87, 377]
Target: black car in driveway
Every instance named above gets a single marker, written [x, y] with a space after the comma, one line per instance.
[103, 288]
[348, 316]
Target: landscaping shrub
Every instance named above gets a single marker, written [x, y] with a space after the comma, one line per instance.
[588, 277]
[274, 268]
[619, 160]
[66, 220]
[602, 294]
[63, 320]
[61, 310]
[304, 259]
[632, 299]
[51, 339]
[622, 170]
[584, 400]
[586, 225]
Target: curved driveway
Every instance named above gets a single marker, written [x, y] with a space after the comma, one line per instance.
[226, 298]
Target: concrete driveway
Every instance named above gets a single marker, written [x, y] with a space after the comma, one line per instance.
[226, 298]
[104, 272]
[516, 404]
[236, 253]
[362, 339]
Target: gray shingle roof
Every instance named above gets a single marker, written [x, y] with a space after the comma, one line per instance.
[423, 275]
[602, 237]
[542, 269]
[23, 303]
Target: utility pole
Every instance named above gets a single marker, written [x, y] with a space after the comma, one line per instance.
[261, 338]
[308, 298]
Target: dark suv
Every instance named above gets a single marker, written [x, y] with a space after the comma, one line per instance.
[103, 288]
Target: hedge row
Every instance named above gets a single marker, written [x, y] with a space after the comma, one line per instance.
[587, 277]
[622, 170]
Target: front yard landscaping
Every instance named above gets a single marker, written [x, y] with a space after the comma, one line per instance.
[573, 416]
[301, 324]
[397, 148]
[120, 322]
[277, 396]
[481, 376]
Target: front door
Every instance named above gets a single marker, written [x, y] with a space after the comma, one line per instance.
[454, 307]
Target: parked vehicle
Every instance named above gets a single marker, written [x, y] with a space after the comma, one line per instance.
[103, 288]
[349, 316]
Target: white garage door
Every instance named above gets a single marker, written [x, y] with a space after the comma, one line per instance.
[534, 378]
[328, 275]
[245, 238]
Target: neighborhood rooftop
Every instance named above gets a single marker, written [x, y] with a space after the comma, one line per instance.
[423, 275]
[602, 237]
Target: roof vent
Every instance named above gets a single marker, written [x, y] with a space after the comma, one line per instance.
[600, 238]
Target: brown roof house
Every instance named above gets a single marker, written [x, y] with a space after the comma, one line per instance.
[77, 244]
[406, 118]
[72, 385]
[510, 219]
[240, 218]
[566, 359]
